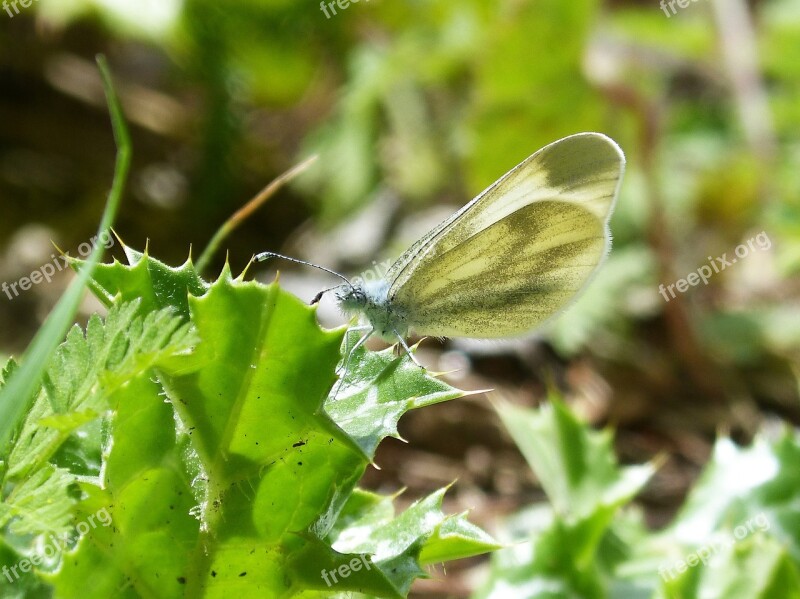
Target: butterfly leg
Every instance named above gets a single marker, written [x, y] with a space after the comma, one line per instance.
[361, 341]
[408, 350]
[350, 353]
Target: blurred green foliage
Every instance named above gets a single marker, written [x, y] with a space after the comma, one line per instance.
[737, 536]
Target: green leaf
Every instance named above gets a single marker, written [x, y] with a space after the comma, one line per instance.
[397, 547]
[252, 478]
[443, 537]
[738, 534]
[60, 437]
[742, 509]
[377, 390]
[758, 567]
[147, 280]
[572, 546]
[576, 467]
[39, 503]
[84, 369]
[738, 484]
[144, 544]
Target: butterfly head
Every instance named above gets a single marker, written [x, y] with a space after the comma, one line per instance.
[351, 298]
[357, 298]
[371, 300]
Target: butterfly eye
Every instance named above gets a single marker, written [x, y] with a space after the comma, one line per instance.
[352, 297]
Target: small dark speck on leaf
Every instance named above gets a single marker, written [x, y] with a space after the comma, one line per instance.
[213, 573]
[243, 574]
[181, 580]
[299, 444]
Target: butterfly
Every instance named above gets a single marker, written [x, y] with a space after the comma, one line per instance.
[510, 259]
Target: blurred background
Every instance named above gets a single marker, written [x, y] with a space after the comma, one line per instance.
[414, 108]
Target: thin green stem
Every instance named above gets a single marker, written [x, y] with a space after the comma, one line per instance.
[18, 392]
[245, 211]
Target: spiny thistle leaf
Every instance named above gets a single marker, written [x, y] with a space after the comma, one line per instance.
[377, 389]
[254, 443]
[85, 368]
[150, 281]
[59, 442]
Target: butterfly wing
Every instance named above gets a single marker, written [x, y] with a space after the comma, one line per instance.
[517, 253]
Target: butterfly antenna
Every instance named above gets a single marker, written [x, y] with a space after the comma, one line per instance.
[267, 255]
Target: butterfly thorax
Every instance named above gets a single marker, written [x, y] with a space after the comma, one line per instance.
[371, 300]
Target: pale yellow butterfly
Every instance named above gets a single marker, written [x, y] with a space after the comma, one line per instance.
[508, 260]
